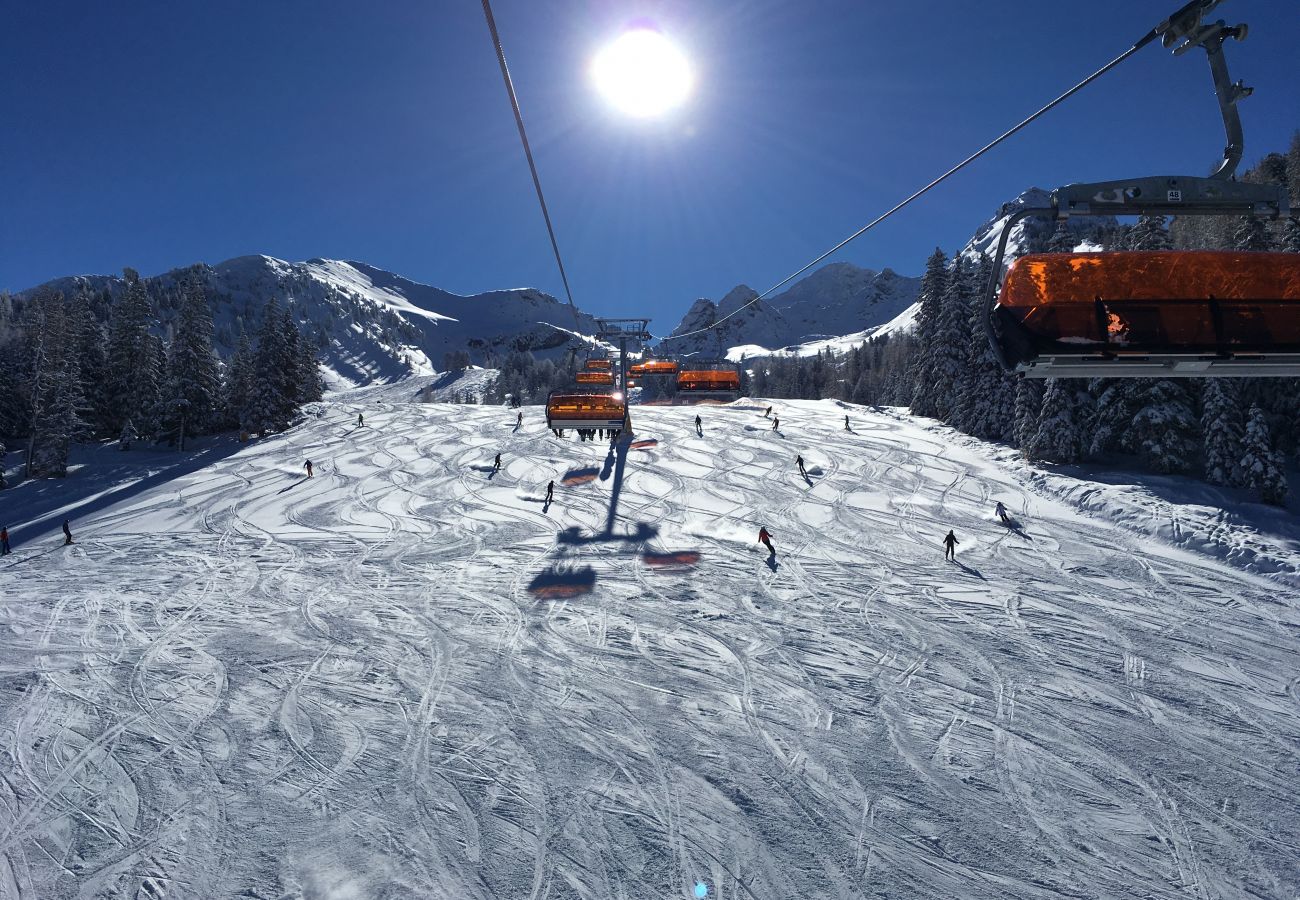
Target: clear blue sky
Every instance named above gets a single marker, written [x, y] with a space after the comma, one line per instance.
[157, 134]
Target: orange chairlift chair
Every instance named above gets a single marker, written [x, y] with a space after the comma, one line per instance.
[1154, 314]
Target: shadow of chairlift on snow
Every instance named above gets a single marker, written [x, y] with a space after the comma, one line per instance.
[647, 444]
[585, 475]
[559, 582]
[671, 563]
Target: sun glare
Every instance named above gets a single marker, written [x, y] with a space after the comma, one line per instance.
[642, 73]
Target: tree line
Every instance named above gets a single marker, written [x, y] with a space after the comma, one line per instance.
[69, 375]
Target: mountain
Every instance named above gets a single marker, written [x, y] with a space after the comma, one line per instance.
[370, 324]
[836, 300]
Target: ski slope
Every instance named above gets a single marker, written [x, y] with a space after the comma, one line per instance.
[410, 677]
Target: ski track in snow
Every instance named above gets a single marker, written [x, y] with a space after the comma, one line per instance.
[399, 678]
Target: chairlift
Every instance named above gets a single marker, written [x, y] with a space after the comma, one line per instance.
[654, 367]
[594, 377]
[701, 379]
[575, 408]
[1132, 314]
[598, 364]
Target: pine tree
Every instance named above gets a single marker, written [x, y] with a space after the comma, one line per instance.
[1260, 463]
[951, 340]
[1290, 239]
[56, 399]
[275, 376]
[1116, 404]
[1149, 234]
[933, 286]
[89, 350]
[1029, 405]
[1222, 430]
[238, 388]
[1063, 426]
[1251, 235]
[192, 385]
[1062, 241]
[131, 377]
[1164, 429]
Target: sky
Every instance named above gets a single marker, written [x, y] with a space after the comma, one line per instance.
[155, 135]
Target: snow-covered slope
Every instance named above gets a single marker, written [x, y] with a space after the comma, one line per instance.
[371, 325]
[410, 677]
[836, 300]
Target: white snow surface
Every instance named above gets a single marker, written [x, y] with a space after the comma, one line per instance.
[409, 677]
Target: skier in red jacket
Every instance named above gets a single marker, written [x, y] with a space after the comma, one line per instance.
[766, 540]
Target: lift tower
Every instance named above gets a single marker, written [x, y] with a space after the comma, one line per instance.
[624, 332]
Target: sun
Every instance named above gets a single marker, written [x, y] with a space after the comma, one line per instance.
[642, 73]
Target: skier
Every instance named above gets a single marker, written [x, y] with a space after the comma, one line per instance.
[802, 471]
[699, 426]
[309, 468]
[67, 533]
[519, 421]
[4, 541]
[1002, 513]
[550, 492]
[496, 465]
[846, 424]
[776, 423]
[768, 414]
[766, 540]
[950, 544]
[361, 419]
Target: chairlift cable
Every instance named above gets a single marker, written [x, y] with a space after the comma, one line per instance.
[528, 152]
[1146, 39]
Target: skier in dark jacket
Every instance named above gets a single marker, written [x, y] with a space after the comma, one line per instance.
[550, 491]
[67, 533]
[361, 419]
[1002, 513]
[4, 541]
[519, 421]
[846, 424]
[950, 546]
[496, 464]
[802, 471]
[768, 413]
[766, 540]
[309, 468]
[699, 426]
[776, 423]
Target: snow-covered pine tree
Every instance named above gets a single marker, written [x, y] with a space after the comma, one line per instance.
[934, 284]
[193, 384]
[1063, 426]
[1222, 430]
[128, 436]
[1290, 239]
[1261, 464]
[1062, 240]
[238, 387]
[1149, 233]
[1164, 430]
[56, 386]
[1116, 403]
[986, 394]
[130, 387]
[951, 340]
[275, 376]
[1029, 405]
[89, 350]
[1252, 235]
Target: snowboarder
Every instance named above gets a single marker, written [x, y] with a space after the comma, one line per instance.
[768, 414]
[4, 541]
[496, 464]
[776, 423]
[699, 426]
[1002, 513]
[846, 424]
[950, 544]
[802, 471]
[67, 533]
[309, 468]
[766, 540]
[550, 492]
[361, 419]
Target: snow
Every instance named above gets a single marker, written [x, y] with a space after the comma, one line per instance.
[408, 676]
